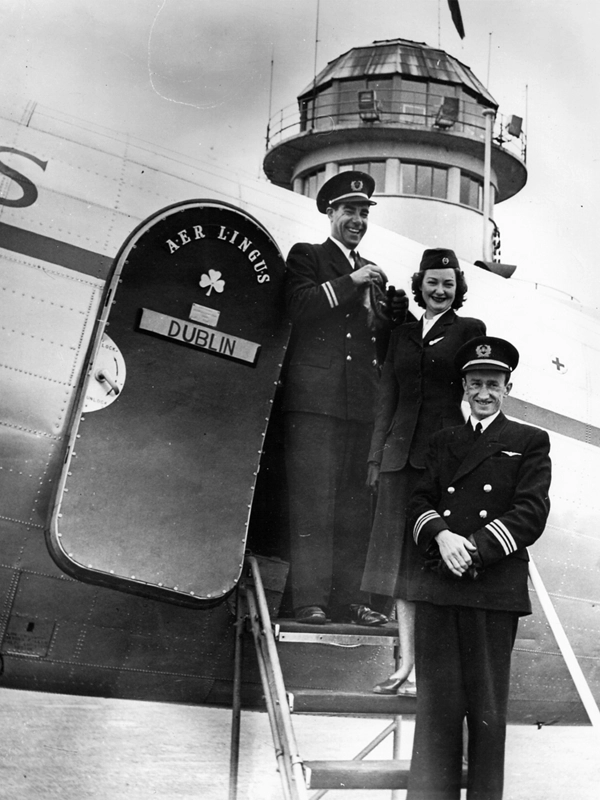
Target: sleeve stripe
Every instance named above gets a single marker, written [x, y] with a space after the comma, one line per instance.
[503, 535]
[422, 521]
[331, 296]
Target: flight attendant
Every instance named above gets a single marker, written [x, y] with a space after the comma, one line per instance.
[420, 393]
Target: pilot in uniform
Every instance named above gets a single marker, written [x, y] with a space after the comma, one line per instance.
[331, 377]
[482, 501]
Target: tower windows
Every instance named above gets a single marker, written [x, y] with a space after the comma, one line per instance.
[471, 191]
[312, 182]
[412, 178]
[424, 180]
[376, 169]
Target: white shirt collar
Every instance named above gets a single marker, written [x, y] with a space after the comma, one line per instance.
[429, 323]
[345, 250]
[485, 423]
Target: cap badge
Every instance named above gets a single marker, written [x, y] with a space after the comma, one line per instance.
[483, 351]
[356, 186]
[445, 260]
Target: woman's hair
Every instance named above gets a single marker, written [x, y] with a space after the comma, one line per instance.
[461, 287]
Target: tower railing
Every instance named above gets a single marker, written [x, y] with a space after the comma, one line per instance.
[396, 108]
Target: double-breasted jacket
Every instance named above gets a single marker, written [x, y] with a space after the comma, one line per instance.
[332, 366]
[420, 390]
[494, 488]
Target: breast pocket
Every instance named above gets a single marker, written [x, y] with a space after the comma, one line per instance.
[504, 468]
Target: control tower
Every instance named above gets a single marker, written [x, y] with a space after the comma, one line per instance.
[422, 124]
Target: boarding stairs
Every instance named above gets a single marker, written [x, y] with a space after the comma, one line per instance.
[298, 776]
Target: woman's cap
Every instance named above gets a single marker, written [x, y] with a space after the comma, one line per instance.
[438, 258]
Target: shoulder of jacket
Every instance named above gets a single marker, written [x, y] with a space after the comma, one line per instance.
[405, 328]
[447, 434]
[523, 429]
[471, 322]
[304, 247]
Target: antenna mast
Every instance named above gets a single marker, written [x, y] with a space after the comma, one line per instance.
[315, 66]
[270, 96]
[487, 86]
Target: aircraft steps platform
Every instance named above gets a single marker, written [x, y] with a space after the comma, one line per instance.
[272, 641]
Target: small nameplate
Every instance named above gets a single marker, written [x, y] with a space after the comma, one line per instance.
[211, 341]
[207, 316]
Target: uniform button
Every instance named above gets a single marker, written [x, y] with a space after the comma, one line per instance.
[451, 490]
[347, 316]
[447, 512]
[348, 358]
[348, 336]
[373, 339]
[483, 514]
[374, 362]
[487, 487]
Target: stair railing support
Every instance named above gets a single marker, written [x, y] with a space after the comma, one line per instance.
[236, 708]
[298, 782]
[274, 717]
[364, 752]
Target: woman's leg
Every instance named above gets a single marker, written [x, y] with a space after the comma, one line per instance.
[405, 612]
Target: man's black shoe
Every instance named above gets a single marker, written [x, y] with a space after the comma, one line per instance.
[363, 615]
[310, 615]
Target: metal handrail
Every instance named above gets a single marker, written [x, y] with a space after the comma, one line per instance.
[259, 612]
[585, 693]
[280, 750]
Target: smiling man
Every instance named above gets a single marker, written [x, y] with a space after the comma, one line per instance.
[482, 501]
[331, 374]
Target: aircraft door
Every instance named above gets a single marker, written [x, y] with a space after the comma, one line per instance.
[157, 484]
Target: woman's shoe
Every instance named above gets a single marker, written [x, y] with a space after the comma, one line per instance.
[407, 689]
[389, 686]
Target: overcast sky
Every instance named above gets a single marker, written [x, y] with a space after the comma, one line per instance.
[194, 75]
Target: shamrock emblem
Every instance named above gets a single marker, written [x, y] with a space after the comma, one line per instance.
[213, 281]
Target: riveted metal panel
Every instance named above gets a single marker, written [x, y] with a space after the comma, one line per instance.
[157, 487]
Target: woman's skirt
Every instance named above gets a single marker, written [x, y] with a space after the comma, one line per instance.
[392, 554]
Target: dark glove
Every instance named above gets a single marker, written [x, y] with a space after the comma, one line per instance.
[378, 304]
[438, 565]
[398, 304]
[476, 567]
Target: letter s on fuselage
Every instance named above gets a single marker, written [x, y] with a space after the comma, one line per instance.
[28, 188]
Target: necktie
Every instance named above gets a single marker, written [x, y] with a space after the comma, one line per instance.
[354, 258]
[478, 431]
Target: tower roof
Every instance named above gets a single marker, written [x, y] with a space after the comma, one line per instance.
[401, 57]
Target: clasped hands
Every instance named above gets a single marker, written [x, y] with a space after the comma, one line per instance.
[459, 556]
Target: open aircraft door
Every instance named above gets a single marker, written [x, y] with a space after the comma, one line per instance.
[168, 427]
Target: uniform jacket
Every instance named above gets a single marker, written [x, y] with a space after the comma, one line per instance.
[332, 365]
[495, 488]
[420, 390]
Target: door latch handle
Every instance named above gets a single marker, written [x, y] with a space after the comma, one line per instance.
[101, 375]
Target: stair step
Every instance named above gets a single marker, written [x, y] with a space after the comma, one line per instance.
[357, 774]
[360, 774]
[390, 630]
[326, 701]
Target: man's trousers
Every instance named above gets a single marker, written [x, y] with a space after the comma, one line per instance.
[330, 508]
[463, 669]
